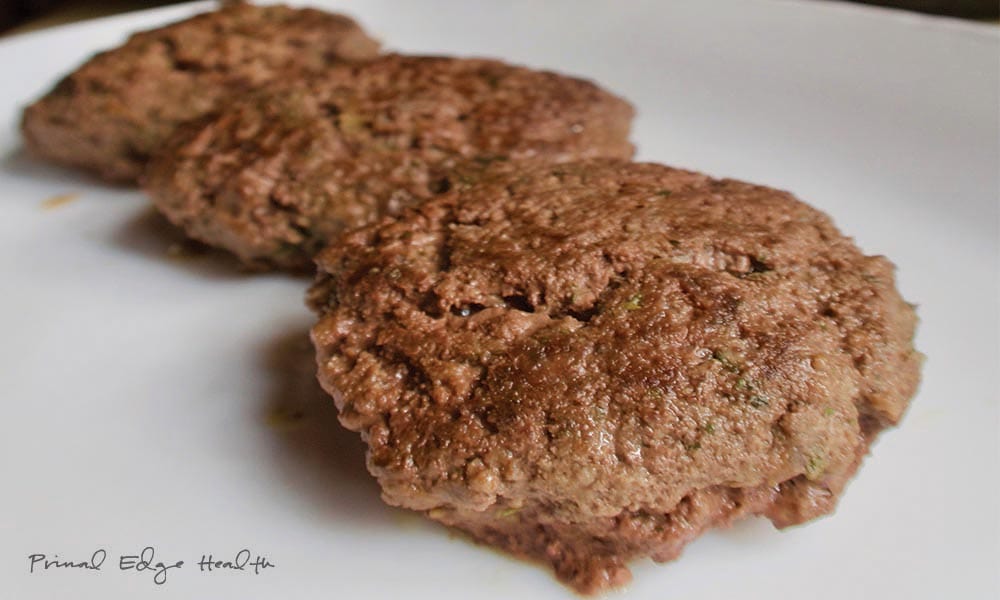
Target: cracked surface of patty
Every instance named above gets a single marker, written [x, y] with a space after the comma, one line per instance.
[592, 362]
[274, 177]
[113, 111]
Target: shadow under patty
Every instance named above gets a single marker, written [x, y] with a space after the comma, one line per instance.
[318, 457]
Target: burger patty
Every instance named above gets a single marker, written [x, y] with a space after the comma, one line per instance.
[110, 114]
[276, 176]
[596, 361]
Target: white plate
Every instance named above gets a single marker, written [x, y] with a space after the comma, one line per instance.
[136, 387]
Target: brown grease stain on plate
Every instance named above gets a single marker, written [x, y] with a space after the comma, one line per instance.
[285, 419]
[59, 200]
[186, 249]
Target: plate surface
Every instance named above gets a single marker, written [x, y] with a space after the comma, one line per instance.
[150, 399]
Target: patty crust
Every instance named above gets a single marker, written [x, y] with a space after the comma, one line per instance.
[273, 178]
[591, 362]
[112, 112]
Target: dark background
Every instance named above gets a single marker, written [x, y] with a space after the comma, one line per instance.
[23, 15]
[973, 9]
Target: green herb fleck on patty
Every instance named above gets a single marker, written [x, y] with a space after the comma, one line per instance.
[726, 359]
[815, 465]
[633, 303]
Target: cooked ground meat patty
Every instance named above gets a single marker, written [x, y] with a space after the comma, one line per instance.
[275, 177]
[112, 112]
[590, 362]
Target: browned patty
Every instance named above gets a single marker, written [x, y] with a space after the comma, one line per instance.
[110, 114]
[273, 178]
[591, 362]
